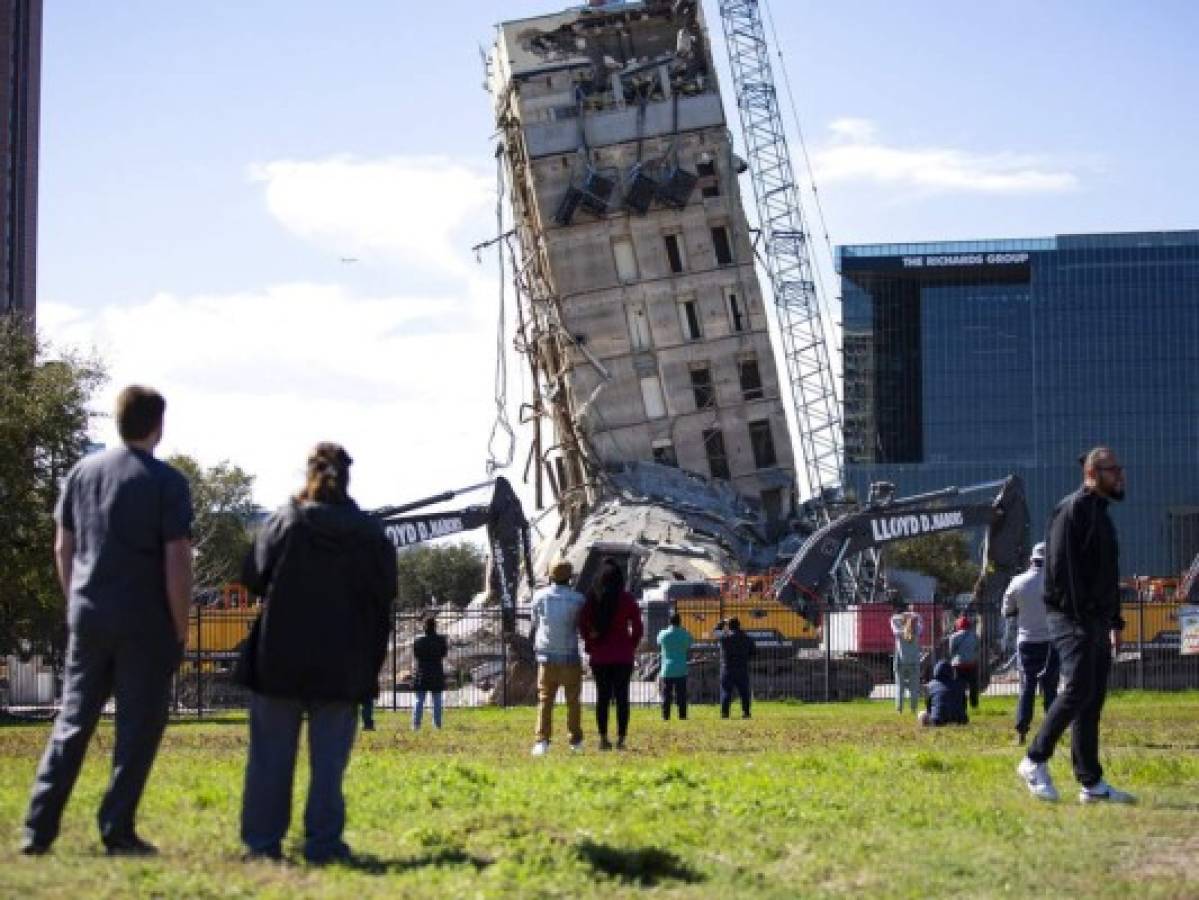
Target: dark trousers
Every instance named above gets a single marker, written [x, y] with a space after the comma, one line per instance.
[134, 670]
[612, 683]
[969, 674]
[368, 714]
[266, 800]
[1086, 658]
[1038, 666]
[734, 681]
[676, 688]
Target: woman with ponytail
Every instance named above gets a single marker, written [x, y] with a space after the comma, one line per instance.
[327, 576]
[612, 629]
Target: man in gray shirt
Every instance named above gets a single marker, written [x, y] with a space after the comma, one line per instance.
[1024, 601]
[123, 551]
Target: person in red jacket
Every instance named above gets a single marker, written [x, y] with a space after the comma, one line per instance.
[612, 629]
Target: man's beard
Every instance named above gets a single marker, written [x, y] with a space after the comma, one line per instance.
[1116, 494]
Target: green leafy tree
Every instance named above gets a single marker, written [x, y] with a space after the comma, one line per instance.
[222, 496]
[944, 556]
[44, 420]
[450, 573]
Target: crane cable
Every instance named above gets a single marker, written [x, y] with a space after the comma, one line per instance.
[501, 425]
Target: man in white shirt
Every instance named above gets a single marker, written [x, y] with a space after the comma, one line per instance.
[1024, 601]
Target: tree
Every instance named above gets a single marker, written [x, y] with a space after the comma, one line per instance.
[44, 419]
[222, 497]
[452, 573]
[945, 556]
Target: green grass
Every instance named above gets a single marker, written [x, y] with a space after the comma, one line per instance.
[803, 800]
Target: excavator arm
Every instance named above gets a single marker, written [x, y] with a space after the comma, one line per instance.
[999, 506]
[507, 536]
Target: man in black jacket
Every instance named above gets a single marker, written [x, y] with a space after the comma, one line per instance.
[328, 578]
[1082, 600]
[736, 650]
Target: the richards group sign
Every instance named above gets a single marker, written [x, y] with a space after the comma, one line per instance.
[957, 260]
[937, 262]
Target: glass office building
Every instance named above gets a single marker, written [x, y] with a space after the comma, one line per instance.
[967, 361]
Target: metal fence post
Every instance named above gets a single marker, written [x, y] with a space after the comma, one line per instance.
[199, 673]
[828, 654]
[503, 663]
[395, 663]
[1141, 640]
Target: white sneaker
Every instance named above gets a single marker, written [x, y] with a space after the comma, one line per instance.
[1036, 777]
[541, 748]
[1104, 793]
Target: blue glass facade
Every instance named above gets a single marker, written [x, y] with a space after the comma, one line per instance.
[966, 361]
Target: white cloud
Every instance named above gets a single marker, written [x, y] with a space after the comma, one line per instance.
[855, 154]
[257, 377]
[409, 210]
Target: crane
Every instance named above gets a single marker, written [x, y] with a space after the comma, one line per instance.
[785, 240]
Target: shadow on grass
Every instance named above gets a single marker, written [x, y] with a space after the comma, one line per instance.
[642, 866]
[446, 856]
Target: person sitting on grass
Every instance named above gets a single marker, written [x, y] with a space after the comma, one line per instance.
[946, 700]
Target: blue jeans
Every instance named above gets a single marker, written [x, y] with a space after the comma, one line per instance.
[266, 801]
[418, 710]
[907, 679]
[1038, 665]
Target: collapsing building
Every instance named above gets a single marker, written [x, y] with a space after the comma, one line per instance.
[640, 311]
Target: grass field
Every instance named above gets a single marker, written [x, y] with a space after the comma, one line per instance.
[803, 800]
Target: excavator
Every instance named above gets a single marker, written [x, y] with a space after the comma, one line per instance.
[811, 581]
[507, 536]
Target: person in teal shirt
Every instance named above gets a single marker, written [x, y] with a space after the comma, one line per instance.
[675, 641]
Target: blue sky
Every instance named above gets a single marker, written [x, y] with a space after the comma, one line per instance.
[205, 167]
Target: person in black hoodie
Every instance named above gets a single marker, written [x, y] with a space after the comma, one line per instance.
[736, 650]
[327, 576]
[429, 650]
[946, 700]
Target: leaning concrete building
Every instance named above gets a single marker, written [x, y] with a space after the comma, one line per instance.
[641, 312]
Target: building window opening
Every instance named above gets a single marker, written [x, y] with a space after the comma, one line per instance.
[736, 314]
[639, 338]
[751, 379]
[724, 249]
[674, 253]
[651, 394]
[663, 451]
[718, 460]
[709, 184]
[626, 260]
[701, 385]
[762, 443]
[689, 319]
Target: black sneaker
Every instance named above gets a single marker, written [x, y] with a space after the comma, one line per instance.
[262, 856]
[33, 848]
[1021, 737]
[620, 742]
[605, 744]
[130, 845]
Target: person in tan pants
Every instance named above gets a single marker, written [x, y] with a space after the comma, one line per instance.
[555, 617]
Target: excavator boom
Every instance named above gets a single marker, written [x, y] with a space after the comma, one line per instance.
[999, 506]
